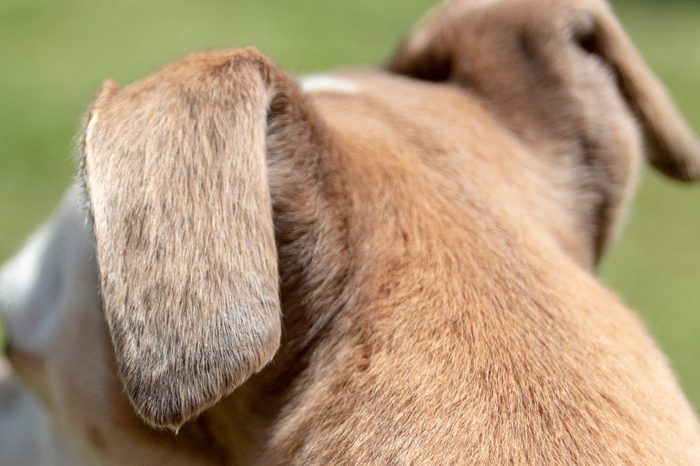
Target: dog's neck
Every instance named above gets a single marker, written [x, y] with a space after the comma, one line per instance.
[338, 278]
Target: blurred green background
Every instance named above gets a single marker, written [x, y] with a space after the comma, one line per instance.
[55, 53]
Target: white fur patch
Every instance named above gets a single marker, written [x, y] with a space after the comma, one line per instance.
[327, 83]
[33, 283]
[90, 128]
[18, 278]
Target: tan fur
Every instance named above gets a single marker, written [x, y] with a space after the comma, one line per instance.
[435, 236]
[562, 75]
[466, 41]
[183, 229]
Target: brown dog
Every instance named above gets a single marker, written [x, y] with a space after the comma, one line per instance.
[412, 249]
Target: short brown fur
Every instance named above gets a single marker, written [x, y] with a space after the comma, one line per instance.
[435, 238]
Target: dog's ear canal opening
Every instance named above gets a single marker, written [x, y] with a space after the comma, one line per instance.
[175, 174]
[673, 148]
[427, 63]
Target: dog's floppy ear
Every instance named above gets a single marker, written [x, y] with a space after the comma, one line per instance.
[174, 169]
[465, 41]
[673, 147]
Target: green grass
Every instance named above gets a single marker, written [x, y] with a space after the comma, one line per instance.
[54, 55]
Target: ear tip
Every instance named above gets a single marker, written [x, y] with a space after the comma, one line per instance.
[160, 416]
[108, 87]
[692, 169]
[169, 400]
[169, 386]
[680, 161]
[686, 172]
[693, 165]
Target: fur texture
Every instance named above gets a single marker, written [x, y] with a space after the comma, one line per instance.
[435, 237]
[183, 229]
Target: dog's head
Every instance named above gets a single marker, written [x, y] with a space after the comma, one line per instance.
[566, 80]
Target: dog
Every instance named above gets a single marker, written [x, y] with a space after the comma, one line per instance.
[393, 266]
[28, 436]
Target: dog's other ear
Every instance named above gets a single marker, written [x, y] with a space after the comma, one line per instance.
[174, 169]
[673, 147]
[514, 51]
